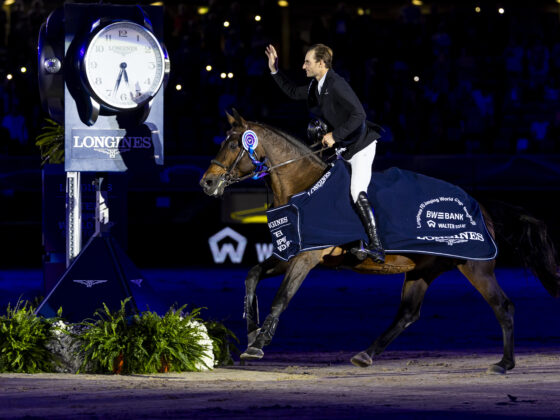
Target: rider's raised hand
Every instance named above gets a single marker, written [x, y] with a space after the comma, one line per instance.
[272, 58]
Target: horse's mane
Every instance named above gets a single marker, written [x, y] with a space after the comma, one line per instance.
[299, 147]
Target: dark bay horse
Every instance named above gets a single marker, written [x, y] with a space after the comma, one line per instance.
[291, 168]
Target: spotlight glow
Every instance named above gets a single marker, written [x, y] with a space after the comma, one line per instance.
[230, 75]
[416, 79]
[226, 24]
[9, 76]
[223, 75]
[178, 87]
[477, 9]
[208, 67]
[501, 10]
[202, 10]
[283, 3]
[23, 69]
[258, 18]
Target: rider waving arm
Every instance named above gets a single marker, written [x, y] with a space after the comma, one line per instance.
[287, 85]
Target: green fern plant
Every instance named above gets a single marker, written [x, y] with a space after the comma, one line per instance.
[51, 142]
[144, 343]
[104, 340]
[175, 342]
[24, 339]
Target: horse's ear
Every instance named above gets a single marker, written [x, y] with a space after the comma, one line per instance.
[238, 118]
[231, 120]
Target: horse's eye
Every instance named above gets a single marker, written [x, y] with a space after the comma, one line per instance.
[233, 145]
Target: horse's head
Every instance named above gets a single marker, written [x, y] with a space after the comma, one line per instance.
[233, 160]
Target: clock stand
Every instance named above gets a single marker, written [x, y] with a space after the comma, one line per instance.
[100, 137]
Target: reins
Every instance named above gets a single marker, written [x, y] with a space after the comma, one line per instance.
[261, 168]
[300, 157]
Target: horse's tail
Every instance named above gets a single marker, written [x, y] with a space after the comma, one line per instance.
[528, 239]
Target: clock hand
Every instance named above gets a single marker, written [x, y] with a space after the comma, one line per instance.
[125, 76]
[118, 83]
[123, 67]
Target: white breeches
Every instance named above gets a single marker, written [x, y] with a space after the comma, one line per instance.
[361, 164]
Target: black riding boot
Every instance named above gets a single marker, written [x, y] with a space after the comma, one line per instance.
[374, 249]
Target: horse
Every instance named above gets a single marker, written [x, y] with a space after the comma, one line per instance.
[291, 167]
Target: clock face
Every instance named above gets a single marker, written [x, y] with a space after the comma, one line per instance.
[124, 65]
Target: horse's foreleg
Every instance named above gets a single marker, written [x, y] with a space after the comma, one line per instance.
[269, 268]
[297, 271]
[482, 277]
[412, 296]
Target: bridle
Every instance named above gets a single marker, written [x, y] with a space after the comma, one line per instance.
[260, 167]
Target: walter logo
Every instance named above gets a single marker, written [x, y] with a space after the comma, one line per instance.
[112, 143]
[227, 243]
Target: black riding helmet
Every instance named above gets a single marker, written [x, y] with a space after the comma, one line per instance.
[316, 129]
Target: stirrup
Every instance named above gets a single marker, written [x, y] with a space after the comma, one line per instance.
[362, 253]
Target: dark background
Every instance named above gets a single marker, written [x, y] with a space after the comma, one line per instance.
[483, 114]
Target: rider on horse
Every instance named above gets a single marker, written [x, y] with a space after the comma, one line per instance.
[331, 98]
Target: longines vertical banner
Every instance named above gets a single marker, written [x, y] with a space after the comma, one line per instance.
[115, 69]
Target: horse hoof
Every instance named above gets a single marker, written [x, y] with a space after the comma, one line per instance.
[496, 370]
[252, 353]
[361, 359]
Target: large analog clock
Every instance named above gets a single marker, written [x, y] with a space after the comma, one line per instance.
[123, 66]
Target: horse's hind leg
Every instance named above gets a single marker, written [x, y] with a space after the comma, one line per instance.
[269, 268]
[416, 283]
[482, 277]
[298, 268]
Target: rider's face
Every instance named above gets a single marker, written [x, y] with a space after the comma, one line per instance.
[312, 67]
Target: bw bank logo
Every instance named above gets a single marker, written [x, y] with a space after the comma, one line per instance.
[234, 250]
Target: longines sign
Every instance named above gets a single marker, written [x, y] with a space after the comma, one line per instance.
[91, 149]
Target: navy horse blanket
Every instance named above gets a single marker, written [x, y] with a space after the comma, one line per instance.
[415, 213]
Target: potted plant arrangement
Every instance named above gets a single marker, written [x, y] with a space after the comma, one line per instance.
[145, 343]
[113, 342]
[24, 340]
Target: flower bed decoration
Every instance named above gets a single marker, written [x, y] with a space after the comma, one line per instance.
[115, 342]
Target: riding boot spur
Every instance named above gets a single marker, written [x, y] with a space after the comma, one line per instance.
[374, 249]
[266, 332]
